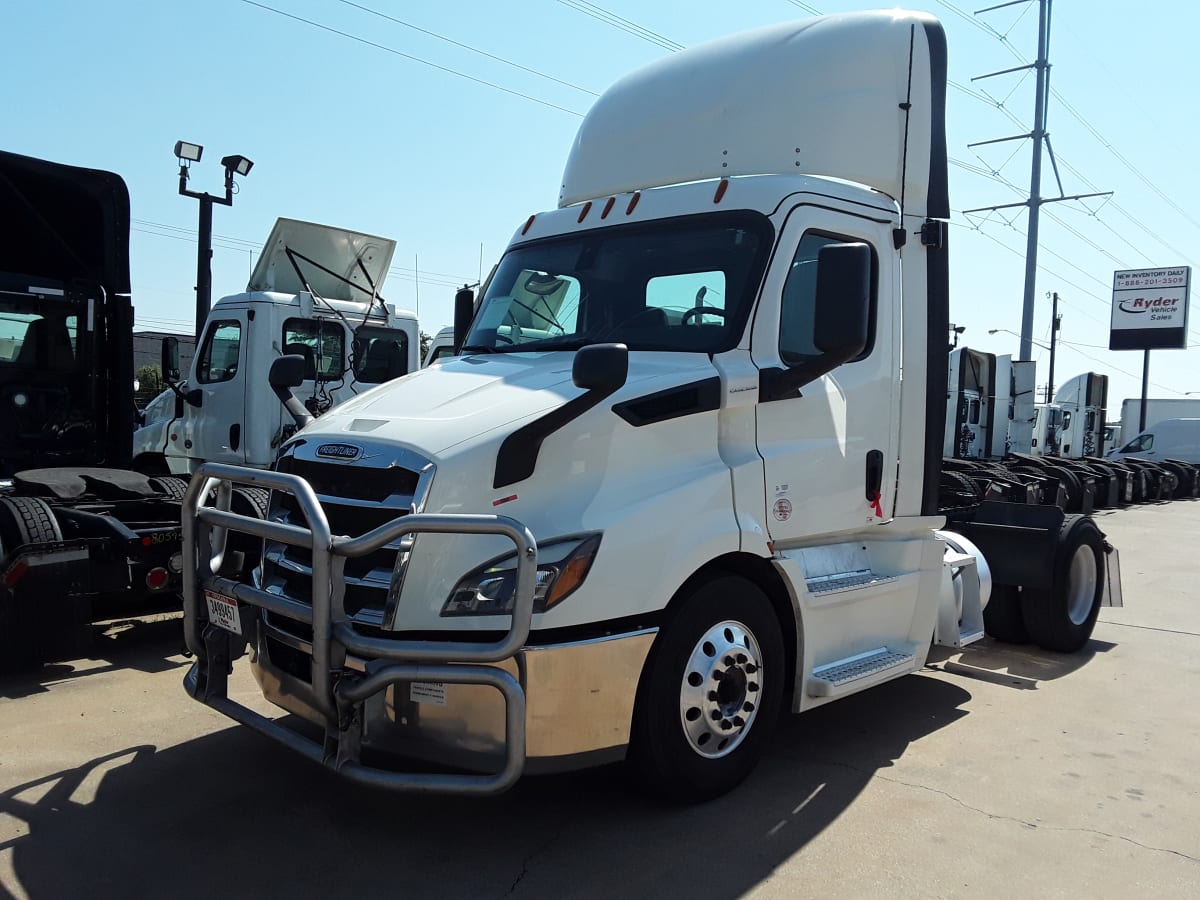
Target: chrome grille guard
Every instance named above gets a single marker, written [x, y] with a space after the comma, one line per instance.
[338, 693]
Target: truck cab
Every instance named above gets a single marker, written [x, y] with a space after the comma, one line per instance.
[315, 292]
[675, 482]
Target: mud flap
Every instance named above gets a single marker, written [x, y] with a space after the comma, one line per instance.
[1113, 595]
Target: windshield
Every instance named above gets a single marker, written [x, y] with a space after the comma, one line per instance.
[683, 284]
[39, 335]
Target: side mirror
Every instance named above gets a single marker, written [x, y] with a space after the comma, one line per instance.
[841, 322]
[464, 312]
[601, 367]
[840, 329]
[287, 371]
[170, 360]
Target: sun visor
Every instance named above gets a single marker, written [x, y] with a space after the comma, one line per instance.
[64, 222]
[300, 256]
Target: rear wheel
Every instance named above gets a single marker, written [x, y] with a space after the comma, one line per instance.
[1063, 617]
[171, 485]
[32, 626]
[710, 692]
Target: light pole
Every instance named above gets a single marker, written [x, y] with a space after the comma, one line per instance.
[187, 154]
[1055, 322]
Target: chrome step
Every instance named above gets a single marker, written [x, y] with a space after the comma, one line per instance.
[845, 581]
[841, 676]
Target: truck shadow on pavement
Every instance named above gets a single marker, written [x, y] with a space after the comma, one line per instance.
[146, 644]
[1018, 666]
[231, 811]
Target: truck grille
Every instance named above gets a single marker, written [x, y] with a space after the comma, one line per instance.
[356, 497]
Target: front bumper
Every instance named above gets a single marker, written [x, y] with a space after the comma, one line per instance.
[578, 703]
[483, 707]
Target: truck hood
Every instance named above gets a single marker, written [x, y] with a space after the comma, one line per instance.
[462, 399]
[332, 262]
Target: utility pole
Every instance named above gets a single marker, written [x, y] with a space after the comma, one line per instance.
[1039, 135]
[1055, 321]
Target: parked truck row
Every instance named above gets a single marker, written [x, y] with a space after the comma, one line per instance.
[999, 443]
[673, 484]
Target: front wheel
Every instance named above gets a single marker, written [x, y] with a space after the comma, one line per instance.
[711, 692]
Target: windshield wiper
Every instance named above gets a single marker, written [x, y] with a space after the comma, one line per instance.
[478, 350]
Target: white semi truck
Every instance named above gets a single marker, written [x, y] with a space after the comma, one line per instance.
[684, 475]
[315, 291]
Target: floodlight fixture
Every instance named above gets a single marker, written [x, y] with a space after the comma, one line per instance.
[237, 164]
[187, 152]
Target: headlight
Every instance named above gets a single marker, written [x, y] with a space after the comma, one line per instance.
[489, 590]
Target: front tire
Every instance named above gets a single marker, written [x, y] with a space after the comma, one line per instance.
[711, 692]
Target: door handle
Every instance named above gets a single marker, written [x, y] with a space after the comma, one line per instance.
[874, 474]
[235, 437]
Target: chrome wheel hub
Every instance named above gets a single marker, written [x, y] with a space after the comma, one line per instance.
[720, 691]
[1081, 584]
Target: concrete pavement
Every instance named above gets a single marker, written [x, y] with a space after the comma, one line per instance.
[1001, 772]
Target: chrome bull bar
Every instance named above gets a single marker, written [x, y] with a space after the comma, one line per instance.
[338, 693]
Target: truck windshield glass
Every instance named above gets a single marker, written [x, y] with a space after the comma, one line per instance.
[683, 285]
[45, 340]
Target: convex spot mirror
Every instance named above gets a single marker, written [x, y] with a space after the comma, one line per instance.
[601, 367]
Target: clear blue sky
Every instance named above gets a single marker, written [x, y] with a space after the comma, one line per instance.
[368, 137]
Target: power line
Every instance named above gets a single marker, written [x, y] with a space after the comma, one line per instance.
[806, 7]
[447, 69]
[1070, 108]
[629, 27]
[442, 37]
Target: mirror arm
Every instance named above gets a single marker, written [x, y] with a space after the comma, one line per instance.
[294, 407]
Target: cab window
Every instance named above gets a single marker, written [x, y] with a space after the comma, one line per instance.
[380, 354]
[219, 356]
[322, 344]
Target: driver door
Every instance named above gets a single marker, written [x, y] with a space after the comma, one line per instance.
[825, 449]
[215, 431]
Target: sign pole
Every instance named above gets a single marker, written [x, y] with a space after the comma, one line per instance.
[1145, 385]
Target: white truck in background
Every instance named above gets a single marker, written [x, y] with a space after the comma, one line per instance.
[441, 345]
[315, 291]
[989, 405]
[1072, 426]
[1167, 439]
[674, 483]
[1156, 411]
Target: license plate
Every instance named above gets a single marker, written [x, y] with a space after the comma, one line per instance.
[432, 693]
[223, 612]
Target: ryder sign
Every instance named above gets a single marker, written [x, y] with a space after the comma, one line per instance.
[1150, 309]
